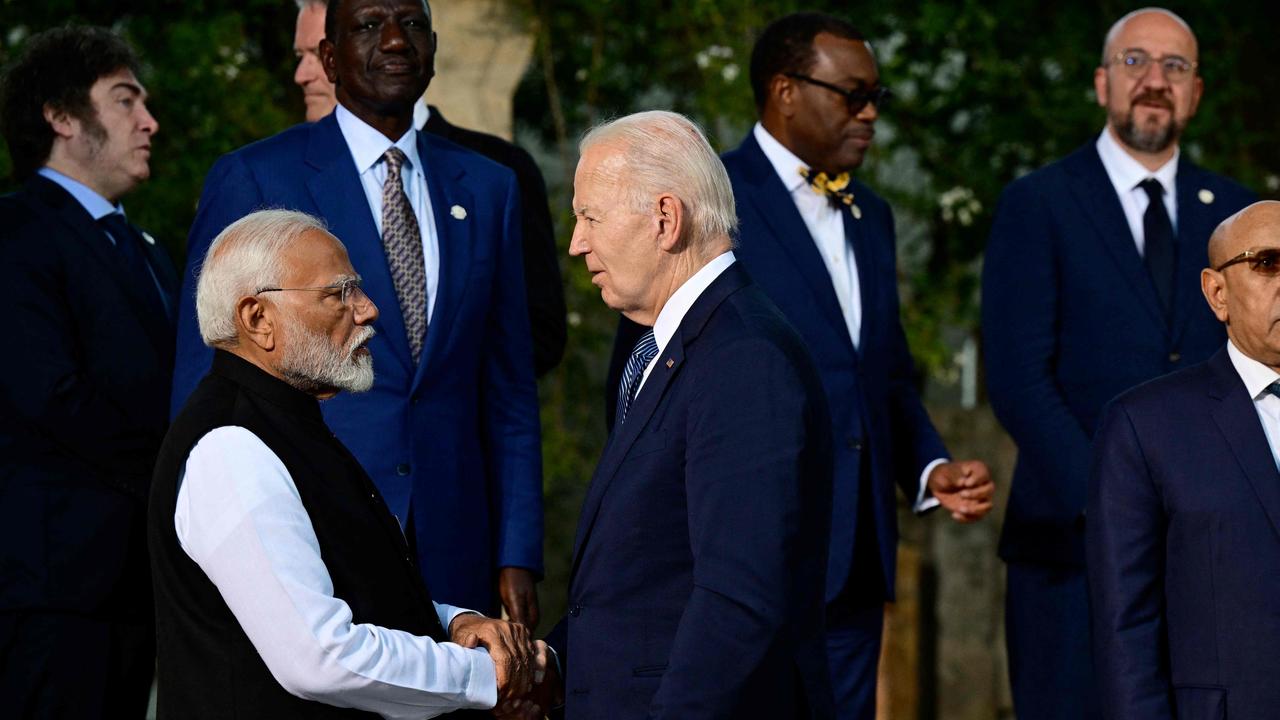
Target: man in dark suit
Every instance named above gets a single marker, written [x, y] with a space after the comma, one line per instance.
[1183, 537]
[1089, 288]
[543, 287]
[696, 582]
[84, 389]
[449, 431]
[827, 258]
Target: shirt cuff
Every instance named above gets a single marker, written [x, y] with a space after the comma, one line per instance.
[925, 501]
[447, 613]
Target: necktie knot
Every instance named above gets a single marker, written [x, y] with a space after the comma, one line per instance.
[1153, 188]
[1273, 389]
[641, 355]
[394, 158]
[834, 189]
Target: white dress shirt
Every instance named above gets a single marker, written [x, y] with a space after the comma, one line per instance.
[679, 303]
[1257, 378]
[826, 227]
[1127, 174]
[367, 147]
[240, 518]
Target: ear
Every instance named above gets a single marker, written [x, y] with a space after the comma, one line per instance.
[1214, 287]
[1100, 85]
[256, 322]
[782, 94]
[327, 60]
[64, 125]
[670, 222]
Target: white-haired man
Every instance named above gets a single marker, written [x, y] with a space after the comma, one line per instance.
[696, 588]
[284, 587]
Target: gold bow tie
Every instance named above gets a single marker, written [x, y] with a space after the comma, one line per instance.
[834, 189]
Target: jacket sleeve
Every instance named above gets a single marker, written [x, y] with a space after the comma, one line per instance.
[1125, 545]
[1020, 307]
[510, 403]
[230, 192]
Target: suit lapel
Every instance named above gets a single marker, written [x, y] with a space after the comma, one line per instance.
[443, 174]
[1195, 224]
[1238, 421]
[668, 365]
[337, 192]
[1097, 199]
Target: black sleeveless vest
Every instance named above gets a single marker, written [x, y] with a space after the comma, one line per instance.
[207, 668]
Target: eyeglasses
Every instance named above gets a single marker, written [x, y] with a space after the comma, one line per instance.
[856, 99]
[1135, 62]
[1265, 261]
[349, 291]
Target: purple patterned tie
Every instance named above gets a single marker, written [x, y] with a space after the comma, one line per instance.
[402, 242]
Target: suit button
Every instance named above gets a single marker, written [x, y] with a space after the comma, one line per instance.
[1175, 356]
[575, 611]
[402, 469]
[854, 444]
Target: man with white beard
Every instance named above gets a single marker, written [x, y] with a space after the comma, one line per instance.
[284, 586]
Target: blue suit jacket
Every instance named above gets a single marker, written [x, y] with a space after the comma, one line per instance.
[454, 438]
[696, 583]
[84, 393]
[1070, 319]
[871, 390]
[1184, 552]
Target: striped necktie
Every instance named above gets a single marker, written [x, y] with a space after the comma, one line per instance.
[641, 356]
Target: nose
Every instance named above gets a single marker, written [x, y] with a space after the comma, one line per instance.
[365, 311]
[869, 113]
[392, 37]
[578, 242]
[146, 121]
[1153, 75]
[306, 70]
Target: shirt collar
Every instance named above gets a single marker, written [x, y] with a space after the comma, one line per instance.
[1256, 376]
[97, 206]
[683, 298]
[367, 145]
[784, 162]
[1126, 172]
[421, 113]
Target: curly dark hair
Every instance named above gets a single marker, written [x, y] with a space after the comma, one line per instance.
[786, 46]
[56, 67]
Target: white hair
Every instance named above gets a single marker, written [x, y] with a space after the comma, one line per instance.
[1119, 25]
[304, 4]
[243, 260]
[668, 152]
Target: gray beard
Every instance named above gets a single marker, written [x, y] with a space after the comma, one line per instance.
[1146, 140]
[313, 365]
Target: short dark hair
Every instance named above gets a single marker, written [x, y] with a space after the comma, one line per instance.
[331, 11]
[57, 67]
[786, 46]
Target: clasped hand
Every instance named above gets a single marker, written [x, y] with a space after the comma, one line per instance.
[521, 662]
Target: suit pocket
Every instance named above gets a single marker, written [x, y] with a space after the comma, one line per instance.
[1200, 702]
[648, 443]
[649, 671]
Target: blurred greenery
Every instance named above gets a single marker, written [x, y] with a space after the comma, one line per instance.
[986, 90]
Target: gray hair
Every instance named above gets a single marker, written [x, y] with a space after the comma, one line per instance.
[243, 260]
[666, 151]
[1119, 25]
[304, 4]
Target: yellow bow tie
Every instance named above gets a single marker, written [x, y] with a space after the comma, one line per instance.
[834, 189]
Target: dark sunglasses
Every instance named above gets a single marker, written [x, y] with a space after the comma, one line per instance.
[856, 99]
[1265, 261]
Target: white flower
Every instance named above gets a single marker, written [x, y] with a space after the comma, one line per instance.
[729, 72]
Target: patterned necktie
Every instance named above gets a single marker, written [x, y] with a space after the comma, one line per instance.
[128, 242]
[402, 243]
[1158, 250]
[834, 189]
[640, 358]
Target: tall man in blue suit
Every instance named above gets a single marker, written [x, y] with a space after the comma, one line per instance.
[822, 248]
[696, 582]
[1089, 288]
[449, 432]
[84, 385]
[1183, 537]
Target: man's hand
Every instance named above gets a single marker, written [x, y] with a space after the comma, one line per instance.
[964, 488]
[547, 692]
[513, 652]
[519, 596]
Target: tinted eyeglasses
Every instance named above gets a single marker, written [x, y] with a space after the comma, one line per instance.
[349, 291]
[855, 99]
[1264, 261]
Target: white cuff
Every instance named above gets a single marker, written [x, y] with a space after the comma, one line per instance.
[924, 500]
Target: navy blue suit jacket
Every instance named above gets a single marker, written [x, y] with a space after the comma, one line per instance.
[453, 439]
[1184, 552]
[84, 393]
[696, 583]
[871, 390]
[1070, 319]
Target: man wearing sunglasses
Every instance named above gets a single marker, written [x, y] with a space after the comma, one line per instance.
[1184, 507]
[1089, 288]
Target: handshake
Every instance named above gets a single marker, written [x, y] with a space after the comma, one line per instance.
[529, 683]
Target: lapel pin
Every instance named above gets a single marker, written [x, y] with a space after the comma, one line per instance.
[1206, 196]
[670, 362]
[458, 212]
[147, 236]
[857, 212]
